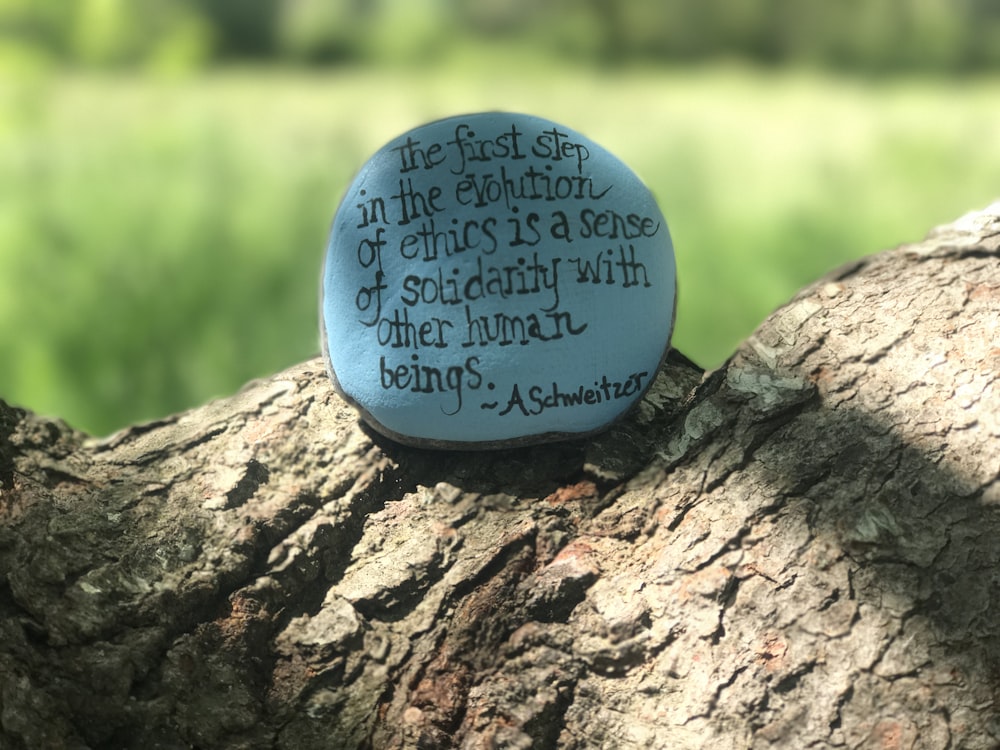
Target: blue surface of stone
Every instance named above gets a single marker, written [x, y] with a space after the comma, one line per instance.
[495, 279]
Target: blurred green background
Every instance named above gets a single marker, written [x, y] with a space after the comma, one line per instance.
[169, 168]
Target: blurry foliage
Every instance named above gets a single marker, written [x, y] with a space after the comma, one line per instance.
[161, 238]
[108, 33]
[887, 35]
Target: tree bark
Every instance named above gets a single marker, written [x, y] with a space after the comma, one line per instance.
[799, 549]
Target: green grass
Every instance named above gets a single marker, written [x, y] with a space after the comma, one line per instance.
[161, 240]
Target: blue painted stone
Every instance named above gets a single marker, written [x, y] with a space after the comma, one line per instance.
[495, 279]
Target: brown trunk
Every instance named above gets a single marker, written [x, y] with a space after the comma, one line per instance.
[801, 549]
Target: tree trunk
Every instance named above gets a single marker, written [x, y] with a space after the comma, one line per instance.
[801, 549]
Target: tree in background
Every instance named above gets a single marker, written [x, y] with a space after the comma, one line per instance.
[109, 33]
[919, 35]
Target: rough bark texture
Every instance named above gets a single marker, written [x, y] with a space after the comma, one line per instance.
[801, 549]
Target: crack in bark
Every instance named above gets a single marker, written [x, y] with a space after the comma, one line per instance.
[255, 475]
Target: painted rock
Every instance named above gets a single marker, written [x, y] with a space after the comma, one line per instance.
[495, 279]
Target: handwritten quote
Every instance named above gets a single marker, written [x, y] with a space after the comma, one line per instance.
[487, 239]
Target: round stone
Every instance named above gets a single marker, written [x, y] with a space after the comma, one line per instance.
[496, 279]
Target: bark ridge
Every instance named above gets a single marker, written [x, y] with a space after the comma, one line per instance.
[796, 550]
